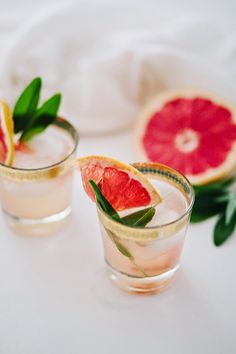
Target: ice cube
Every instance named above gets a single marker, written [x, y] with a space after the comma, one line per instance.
[164, 216]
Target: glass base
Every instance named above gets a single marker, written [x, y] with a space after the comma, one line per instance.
[138, 285]
[37, 227]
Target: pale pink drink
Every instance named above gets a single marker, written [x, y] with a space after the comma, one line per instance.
[35, 193]
[144, 260]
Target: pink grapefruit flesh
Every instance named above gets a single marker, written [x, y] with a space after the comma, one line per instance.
[3, 147]
[122, 185]
[6, 134]
[192, 132]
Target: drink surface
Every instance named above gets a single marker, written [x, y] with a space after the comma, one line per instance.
[46, 149]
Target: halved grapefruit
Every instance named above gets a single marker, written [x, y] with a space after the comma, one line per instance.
[6, 134]
[122, 185]
[191, 131]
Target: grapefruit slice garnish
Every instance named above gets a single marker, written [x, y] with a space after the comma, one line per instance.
[193, 132]
[6, 134]
[122, 185]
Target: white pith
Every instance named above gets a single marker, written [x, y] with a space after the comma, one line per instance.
[187, 141]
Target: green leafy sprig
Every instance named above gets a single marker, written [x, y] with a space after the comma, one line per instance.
[216, 199]
[31, 119]
[139, 219]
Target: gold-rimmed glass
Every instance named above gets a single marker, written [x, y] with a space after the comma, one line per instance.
[38, 201]
[145, 260]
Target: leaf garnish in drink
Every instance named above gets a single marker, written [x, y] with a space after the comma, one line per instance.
[29, 118]
[119, 245]
[123, 250]
[139, 218]
[26, 105]
[103, 202]
[216, 199]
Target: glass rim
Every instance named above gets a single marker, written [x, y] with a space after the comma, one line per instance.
[48, 171]
[169, 224]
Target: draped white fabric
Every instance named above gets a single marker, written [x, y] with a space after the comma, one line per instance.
[108, 66]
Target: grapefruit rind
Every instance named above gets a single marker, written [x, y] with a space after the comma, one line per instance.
[156, 104]
[7, 126]
[103, 162]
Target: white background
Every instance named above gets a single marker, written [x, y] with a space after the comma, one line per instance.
[54, 295]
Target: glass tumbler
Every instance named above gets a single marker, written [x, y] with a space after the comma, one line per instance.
[38, 201]
[145, 259]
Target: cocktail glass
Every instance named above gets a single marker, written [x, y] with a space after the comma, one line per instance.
[145, 259]
[36, 200]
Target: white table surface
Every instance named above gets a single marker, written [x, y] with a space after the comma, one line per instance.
[55, 297]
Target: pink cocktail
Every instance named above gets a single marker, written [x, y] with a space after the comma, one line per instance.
[35, 193]
[145, 259]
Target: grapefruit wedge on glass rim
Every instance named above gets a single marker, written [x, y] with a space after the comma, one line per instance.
[191, 131]
[6, 134]
[121, 184]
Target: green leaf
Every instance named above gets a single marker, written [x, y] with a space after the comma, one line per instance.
[208, 204]
[223, 198]
[27, 118]
[231, 207]
[222, 230]
[28, 135]
[124, 250]
[215, 186]
[26, 105]
[139, 218]
[107, 207]
[103, 202]
[49, 108]
[121, 248]
[42, 118]
[199, 214]
[210, 197]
